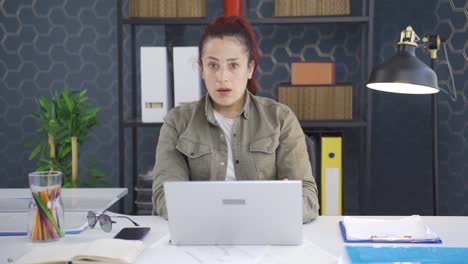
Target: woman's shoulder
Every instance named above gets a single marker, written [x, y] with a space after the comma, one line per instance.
[270, 104]
[185, 111]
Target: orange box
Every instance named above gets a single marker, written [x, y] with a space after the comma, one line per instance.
[312, 73]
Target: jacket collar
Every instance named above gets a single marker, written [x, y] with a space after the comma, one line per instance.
[209, 107]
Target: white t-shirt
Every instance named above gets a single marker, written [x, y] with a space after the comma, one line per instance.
[226, 125]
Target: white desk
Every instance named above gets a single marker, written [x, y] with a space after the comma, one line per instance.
[76, 202]
[323, 233]
[74, 199]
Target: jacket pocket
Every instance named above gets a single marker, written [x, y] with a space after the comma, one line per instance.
[198, 157]
[264, 153]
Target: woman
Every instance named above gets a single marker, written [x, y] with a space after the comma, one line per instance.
[231, 134]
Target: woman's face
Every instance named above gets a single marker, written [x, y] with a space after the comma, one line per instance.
[226, 70]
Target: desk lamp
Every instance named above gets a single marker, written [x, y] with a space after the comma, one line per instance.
[404, 73]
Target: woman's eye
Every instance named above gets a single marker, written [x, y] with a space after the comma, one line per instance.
[212, 66]
[234, 65]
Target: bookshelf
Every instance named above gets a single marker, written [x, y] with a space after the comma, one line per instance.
[361, 120]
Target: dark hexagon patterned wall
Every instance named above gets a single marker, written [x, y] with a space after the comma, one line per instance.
[402, 138]
[47, 44]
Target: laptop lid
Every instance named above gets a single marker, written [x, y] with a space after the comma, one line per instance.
[234, 212]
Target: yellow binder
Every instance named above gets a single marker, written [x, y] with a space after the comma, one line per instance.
[331, 176]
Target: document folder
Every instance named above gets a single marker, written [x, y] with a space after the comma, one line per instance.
[187, 80]
[419, 255]
[331, 176]
[154, 84]
[410, 229]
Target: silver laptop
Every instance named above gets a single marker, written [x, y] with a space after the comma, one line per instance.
[234, 212]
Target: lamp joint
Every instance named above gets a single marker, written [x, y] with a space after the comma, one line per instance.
[408, 37]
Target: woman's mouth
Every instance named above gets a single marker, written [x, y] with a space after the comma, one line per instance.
[223, 91]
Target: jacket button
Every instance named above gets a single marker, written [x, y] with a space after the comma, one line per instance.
[237, 161]
[222, 163]
[192, 154]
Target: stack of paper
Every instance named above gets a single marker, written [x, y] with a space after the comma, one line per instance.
[408, 229]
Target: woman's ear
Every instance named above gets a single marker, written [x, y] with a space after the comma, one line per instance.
[251, 68]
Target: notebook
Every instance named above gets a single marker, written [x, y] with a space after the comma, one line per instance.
[234, 212]
[105, 250]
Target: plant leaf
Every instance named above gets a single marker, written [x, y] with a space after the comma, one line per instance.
[68, 101]
[34, 152]
[43, 104]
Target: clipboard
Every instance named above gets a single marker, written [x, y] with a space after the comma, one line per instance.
[387, 239]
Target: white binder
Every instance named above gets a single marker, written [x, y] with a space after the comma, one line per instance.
[154, 84]
[187, 80]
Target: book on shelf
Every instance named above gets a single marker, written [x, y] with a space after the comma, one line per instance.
[318, 102]
[105, 250]
[312, 7]
[167, 8]
[191, 8]
[152, 8]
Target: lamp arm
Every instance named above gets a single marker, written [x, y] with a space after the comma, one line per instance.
[433, 43]
[453, 96]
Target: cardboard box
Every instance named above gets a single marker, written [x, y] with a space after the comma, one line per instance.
[306, 73]
[318, 102]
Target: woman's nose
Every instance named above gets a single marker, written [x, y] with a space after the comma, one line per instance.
[222, 75]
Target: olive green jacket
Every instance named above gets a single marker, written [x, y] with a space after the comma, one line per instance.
[267, 144]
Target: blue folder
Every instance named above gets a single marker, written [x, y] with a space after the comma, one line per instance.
[386, 239]
[407, 255]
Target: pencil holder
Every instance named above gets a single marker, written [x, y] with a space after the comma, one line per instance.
[45, 216]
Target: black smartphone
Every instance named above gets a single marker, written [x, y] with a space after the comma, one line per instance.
[133, 233]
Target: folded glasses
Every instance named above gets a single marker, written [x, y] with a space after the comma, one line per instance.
[105, 221]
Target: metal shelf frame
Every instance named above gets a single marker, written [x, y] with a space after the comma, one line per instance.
[254, 21]
[362, 119]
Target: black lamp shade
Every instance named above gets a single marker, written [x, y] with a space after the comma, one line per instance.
[404, 73]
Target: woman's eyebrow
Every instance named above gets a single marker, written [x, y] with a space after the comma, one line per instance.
[216, 59]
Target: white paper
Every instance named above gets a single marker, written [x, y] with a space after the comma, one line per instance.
[364, 228]
[165, 252]
[308, 253]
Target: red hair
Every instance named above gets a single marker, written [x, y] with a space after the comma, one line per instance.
[233, 26]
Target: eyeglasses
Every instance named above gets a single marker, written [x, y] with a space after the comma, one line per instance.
[105, 221]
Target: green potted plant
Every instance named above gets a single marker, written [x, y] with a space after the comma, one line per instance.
[66, 121]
